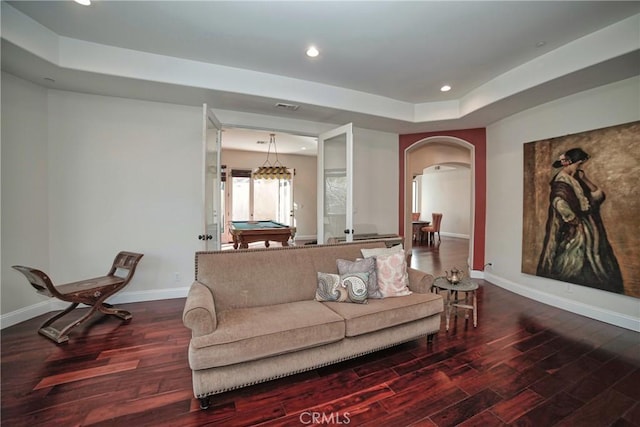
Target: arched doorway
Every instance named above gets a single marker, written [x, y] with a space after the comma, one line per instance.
[444, 155]
[473, 140]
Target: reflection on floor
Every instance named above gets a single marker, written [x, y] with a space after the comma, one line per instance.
[442, 256]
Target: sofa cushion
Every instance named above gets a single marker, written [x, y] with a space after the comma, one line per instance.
[257, 332]
[383, 313]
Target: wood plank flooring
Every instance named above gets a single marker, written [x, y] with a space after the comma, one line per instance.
[440, 257]
[526, 364]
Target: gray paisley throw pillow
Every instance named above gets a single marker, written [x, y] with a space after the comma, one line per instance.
[351, 287]
[367, 265]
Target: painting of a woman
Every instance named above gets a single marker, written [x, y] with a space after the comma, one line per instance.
[576, 248]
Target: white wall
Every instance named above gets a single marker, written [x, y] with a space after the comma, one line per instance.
[123, 175]
[375, 181]
[609, 105]
[448, 191]
[86, 176]
[25, 222]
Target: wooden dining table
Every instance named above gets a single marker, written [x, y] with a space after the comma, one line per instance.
[418, 235]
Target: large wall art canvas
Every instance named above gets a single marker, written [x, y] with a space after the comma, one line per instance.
[581, 216]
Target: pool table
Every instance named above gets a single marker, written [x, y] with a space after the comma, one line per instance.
[245, 232]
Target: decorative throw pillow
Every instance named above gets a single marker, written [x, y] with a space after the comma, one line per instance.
[356, 285]
[367, 265]
[350, 287]
[393, 279]
[329, 288]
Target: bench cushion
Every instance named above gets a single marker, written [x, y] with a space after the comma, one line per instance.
[378, 314]
[254, 333]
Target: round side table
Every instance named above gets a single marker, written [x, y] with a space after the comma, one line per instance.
[453, 301]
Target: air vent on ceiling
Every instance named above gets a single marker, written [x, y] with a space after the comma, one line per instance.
[290, 107]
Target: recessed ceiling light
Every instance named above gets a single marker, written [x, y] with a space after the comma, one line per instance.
[445, 88]
[312, 52]
[83, 2]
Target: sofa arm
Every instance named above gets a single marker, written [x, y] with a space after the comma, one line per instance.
[419, 281]
[199, 313]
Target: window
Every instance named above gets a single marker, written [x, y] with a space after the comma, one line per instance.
[272, 200]
[415, 193]
[260, 199]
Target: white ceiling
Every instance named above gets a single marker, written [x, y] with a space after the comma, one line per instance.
[381, 63]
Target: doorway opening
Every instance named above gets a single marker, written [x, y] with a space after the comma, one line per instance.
[287, 200]
[439, 177]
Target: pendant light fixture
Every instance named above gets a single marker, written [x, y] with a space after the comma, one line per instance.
[273, 170]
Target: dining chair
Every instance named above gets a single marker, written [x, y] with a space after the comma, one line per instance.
[433, 228]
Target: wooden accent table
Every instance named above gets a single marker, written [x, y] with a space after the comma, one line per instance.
[453, 301]
[418, 235]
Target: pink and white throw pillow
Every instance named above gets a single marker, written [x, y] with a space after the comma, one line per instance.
[393, 279]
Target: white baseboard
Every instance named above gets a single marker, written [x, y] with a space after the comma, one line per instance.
[45, 307]
[604, 315]
[141, 296]
[26, 313]
[476, 274]
[459, 236]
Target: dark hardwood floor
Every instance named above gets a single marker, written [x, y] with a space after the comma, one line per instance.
[441, 256]
[526, 364]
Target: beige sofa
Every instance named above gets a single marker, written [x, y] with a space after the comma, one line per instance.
[254, 317]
